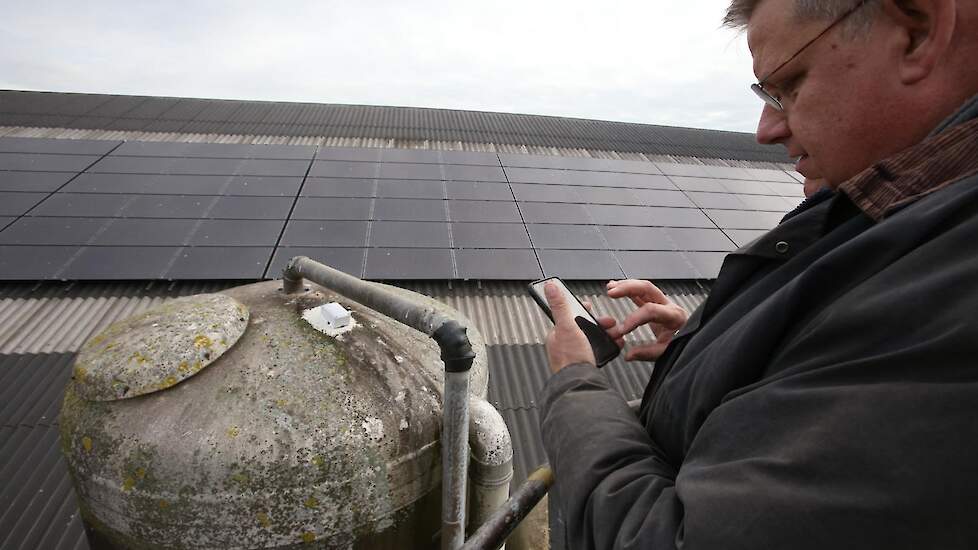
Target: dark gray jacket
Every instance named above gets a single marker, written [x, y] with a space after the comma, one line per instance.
[825, 397]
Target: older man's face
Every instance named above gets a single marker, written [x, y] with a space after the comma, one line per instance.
[838, 94]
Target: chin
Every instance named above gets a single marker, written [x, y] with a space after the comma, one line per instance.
[812, 185]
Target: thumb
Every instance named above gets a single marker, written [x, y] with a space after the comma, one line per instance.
[558, 304]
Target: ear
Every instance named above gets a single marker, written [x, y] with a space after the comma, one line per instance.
[926, 28]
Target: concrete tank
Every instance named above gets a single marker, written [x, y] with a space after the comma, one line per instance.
[227, 420]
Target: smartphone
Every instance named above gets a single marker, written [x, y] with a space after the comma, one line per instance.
[605, 349]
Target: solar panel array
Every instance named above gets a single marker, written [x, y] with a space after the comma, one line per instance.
[77, 210]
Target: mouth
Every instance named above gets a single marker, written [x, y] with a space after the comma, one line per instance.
[800, 163]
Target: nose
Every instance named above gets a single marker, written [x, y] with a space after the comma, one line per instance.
[772, 127]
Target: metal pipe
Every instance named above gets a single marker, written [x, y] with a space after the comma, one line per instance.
[496, 529]
[457, 354]
[492, 461]
[454, 459]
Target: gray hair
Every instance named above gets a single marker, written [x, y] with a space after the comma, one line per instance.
[740, 11]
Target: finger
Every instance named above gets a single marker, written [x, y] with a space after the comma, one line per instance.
[606, 322]
[558, 305]
[588, 306]
[639, 291]
[651, 313]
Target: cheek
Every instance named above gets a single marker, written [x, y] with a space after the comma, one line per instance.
[834, 124]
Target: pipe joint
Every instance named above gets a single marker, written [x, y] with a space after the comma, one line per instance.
[456, 351]
[292, 275]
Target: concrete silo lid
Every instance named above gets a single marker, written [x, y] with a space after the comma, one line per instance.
[159, 348]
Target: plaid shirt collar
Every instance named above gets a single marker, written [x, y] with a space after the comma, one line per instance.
[949, 154]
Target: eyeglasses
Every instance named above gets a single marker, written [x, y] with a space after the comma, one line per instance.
[766, 96]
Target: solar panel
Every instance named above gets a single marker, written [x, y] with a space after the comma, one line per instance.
[344, 169]
[120, 262]
[612, 195]
[16, 204]
[32, 162]
[409, 263]
[790, 190]
[473, 173]
[621, 237]
[743, 237]
[546, 193]
[706, 185]
[82, 205]
[584, 237]
[410, 171]
[325, 233]
[421, 156]
[33, 181]
[728, 172]
[483, 211]
[251, 208]
[411, 189]
[658, 197]
[468, 158]
[767, 203]
[410, 234]
[145, 232]
[723, 201]
[490, 235]
[349, 154]
[33, 262]
[319, 208]
[691, 170]
[348, 260]
[656, 265]
[214, 150]
[165, 206]
[707, 264]
[478, 190]
[339, 187]
[57, 146]
[418, 210]
[237, 233]
[648, 216]
[578, 163]
[498, 264]
[52, 231]
[545, 212]
[706, 240]
[202, 211]
[741, 219]
[208, 262]
[579, 264]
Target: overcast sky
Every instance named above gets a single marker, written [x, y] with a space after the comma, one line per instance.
[648, 61]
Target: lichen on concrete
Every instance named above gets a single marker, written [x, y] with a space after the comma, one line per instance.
[158, 348]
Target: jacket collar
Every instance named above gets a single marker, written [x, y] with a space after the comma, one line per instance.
[948, 154]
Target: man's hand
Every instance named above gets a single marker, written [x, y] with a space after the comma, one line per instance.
[566, 343]
[654, 308]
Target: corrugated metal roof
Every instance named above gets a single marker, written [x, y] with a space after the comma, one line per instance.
[211, 116]
[59, 317]
[37, 502]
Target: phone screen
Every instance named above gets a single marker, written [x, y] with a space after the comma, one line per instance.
[605, 349]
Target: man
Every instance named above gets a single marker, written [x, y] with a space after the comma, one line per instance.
[826, 393]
